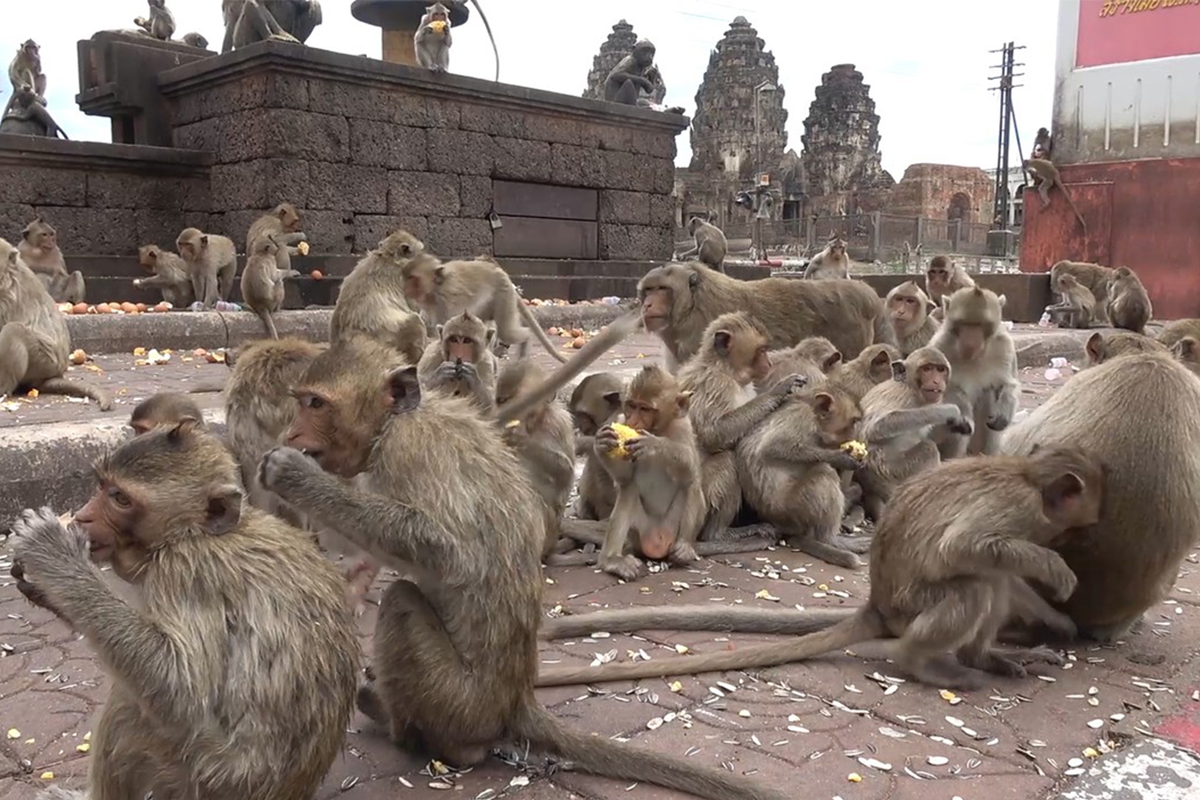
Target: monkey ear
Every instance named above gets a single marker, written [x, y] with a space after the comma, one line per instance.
[693, 279]
[186, 427]
[1187, 349]
[1095, 347]
[880, 359]
[683, 402]
[12, 258]
[489, 335]
[224, 509]
[1063, 490]
[404, 392]
[204, 240]
[831, 361]
[722, 341]
[439, 275]
[613, 399]
[899, 371]
[930, 307]
[1002, 299]
[822, 403]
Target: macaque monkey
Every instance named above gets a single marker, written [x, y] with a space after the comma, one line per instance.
[544, 440]
[447, 503]
[660, 504]
[910, 310]
[195, 40]
[680, 301]
[34, 341]
[432, 41]
[942, 278]
[711, 245]
[813, 358]
[239, 633]
[830, 263]
[632, 76]
[948, 571]
[595, 402]
[1172, 332]
[250, 21]
[283, 224]
[1128, 302]
[164, 408]
[1139, 414]
[860, 375]
[372, 303]
[900, 417]
[40, 252]
[161, 24]
[25, 72]
[1101, 347]
[1043, 145]
[983, 363]
[1091, 276]
[170, 275]
[28, 117]
[212, 262]
[723, 408]
[1077, 305]
[1187, 352]
[461, 362]
[788, 467]
[445, 289]
[262, 281]
[1045, 178]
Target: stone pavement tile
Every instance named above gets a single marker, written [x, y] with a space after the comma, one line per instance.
[1151, 768]
[1009, 786]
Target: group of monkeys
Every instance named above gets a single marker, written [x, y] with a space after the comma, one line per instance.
[236, 674]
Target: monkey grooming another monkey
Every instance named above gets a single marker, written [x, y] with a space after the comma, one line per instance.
[679, 301]
[1077, 305]
[1045, 178]
[164, 408]
[161, 24]
[432, 41]
[711, 245]
[233, 674]
[448, 504]
[983, 363]
[40, 252]
[1092, 276]
[212, 262]
[372, 300]
[910, 310]
[829, 264]
[595, 402]
[942, 278]
[34, 341]
[1101, 348]
[1128, 302]
[461, 362]
[948, 569]
[262, 281]
[170, 275]
[445, 289]
[283, 224]
[1138, 413]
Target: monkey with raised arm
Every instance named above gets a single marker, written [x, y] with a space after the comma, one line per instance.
[40, 251]
[910, 310]
[1077, 306]
[831, 263]
[1046, 177]
[262, 281]
[372, 299]
[239, 632]
[461, 361]
[161, 24]
[711, 245]
[212, 262]
[1128, 301]
[170, 275]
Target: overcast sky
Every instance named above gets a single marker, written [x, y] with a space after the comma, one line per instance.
[927, 61]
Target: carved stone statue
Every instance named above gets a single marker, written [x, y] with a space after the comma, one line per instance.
[250, 21]
[636, 81]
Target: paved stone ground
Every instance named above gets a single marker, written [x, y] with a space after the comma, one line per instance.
[803, 726]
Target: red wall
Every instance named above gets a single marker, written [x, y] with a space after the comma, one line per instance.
[1119, 31]
[1140, 214]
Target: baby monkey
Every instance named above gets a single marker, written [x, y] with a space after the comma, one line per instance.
[1078, 304]
[164, 408]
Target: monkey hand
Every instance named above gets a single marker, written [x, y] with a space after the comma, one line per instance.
[1058, 577]
[998, 422]
[961, 424]
[606, 439]
[284, 468]
[46, 553]
[843, 461]
[642, 446]
[788, 385]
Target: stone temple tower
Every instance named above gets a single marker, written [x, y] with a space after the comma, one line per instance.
[723, 127]
[841, 138]
[618, 45]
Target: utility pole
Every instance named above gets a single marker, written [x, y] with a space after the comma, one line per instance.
[999, 239]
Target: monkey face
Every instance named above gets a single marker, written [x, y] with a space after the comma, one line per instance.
[938, 278]
[971, 340]
[906, 308]
[289, 218]
[111, 520]
[320, 432]
[656, 309]
[931, 380]
[838, 418]
[457, 346]
[642, 415]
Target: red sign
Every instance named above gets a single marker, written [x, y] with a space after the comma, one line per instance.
[1120, 31]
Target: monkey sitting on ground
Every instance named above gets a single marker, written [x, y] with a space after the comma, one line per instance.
[461, 362]
[1093, 277]
[1045, 178]
[448, 504]
[34, 341]
[910, 310]
[212, 262]
[983, 363]
[161, 24]
[830, 263]
[544, 440]
[899, 417]
[262, 281]
[1077, 305]
[39, 250]
[1139, 414]
[432, 41]
[372, 302]
[481, 286]
[948, 569]
[240, 633]
[1101, 347]
[1128, 302]
[170, 275]
[711, 245]
[164, 408]
[283, 224]
[595, 402]
[943, 278]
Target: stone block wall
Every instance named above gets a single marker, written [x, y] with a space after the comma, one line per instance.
[103, 199]
[362, 147]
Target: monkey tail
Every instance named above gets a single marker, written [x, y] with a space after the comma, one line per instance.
[862, 626]
[602, 756]
[695, 618]
[487, 25]
[72, 389]
[614, 333]
[532, 322]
